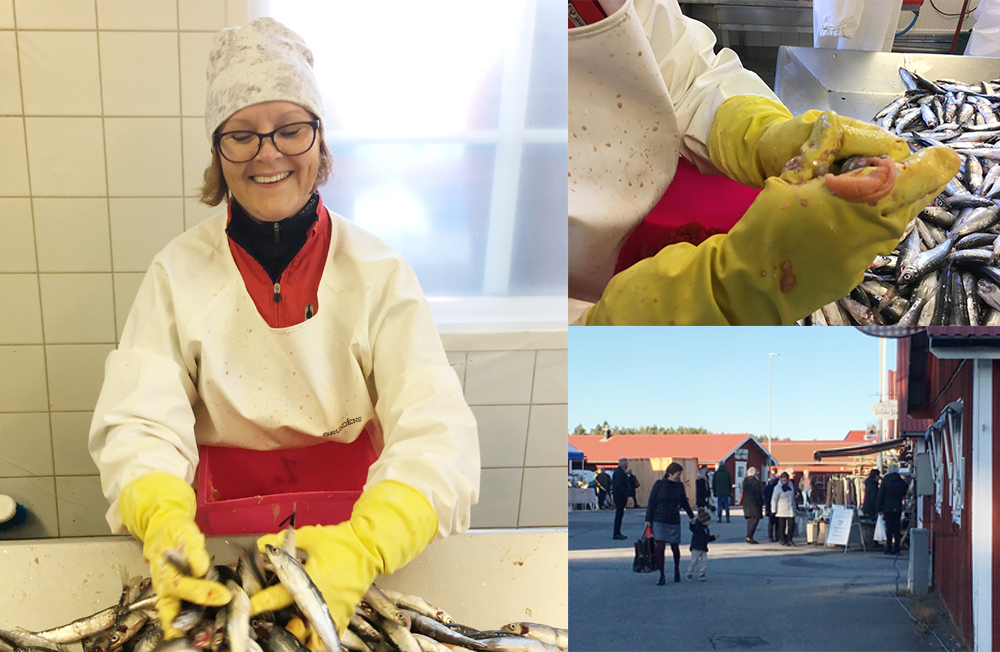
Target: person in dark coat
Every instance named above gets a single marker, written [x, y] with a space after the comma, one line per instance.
[753, 502]
[871, 494]
[621, 487]
[772, 520]
[634, 487]
[889, 503]
[701, 491]
[604, 482]
[700, 537]
[666, 499]
[722, 485]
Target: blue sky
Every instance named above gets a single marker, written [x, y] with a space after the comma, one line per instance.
[824, 381]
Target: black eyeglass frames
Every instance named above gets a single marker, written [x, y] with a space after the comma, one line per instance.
[291, 140]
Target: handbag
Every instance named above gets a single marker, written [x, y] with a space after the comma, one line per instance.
[880, 529]
[645, 553]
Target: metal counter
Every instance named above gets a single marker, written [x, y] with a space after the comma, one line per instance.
[484, 578]
[751, 15]
[860, 84]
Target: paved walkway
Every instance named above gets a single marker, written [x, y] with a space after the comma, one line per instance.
[763, 597]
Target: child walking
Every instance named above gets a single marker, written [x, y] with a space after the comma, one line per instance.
[699, 543]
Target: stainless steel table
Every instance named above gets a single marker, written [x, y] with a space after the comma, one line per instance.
[751, 15]
[860, 84]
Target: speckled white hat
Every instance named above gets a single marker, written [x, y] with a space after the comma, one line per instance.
[263, 61]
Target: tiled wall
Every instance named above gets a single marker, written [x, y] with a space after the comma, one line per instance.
[101, 125]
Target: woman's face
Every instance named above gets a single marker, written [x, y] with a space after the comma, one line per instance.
[271, 186]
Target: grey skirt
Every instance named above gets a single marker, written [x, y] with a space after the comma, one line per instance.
[666, 532]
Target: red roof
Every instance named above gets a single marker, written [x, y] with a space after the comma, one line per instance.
[856, 435]
[799, 455]
[707, 449]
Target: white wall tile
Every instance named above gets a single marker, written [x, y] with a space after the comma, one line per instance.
[194, 61]
[546, 435]
[499, 377]
[6, 14]
[144, 157]
[543, 498]
[70, 431]
[76, 373]
[77, 308]
[202, 14]
[54, 173]
[503, 430]
[129, 14]
[38, 495]
[17, 247]
[60, 74]
[140, 228]
[20, 322]
[55, 14]
[27, 446]
[73, 235]
[195, 212]
[126, 287]
[499, 494]
[139, 73]
[10, 82]
[457, 361]
[81, 507]
[550, 377]
[14, 162]
[22, 379]
[197, 154]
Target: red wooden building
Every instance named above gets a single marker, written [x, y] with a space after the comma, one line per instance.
[948, 388]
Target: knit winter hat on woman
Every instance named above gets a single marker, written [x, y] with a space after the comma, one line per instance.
[263, 61]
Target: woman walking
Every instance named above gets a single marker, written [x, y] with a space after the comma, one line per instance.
[783, 507]
[666, 499]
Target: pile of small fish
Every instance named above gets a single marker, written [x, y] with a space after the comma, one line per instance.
[946, 269]
[385, 621]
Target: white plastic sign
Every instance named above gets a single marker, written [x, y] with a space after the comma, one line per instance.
[840, 526]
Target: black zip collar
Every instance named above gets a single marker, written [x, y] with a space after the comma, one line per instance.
[272, 244]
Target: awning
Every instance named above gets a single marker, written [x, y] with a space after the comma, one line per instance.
[575, 453]
[863, 449]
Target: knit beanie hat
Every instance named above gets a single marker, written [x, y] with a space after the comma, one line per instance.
[263, 61]
[704, 516]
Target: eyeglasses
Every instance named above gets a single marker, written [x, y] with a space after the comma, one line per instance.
[291, 140]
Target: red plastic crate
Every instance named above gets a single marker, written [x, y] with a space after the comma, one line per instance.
[694, 207]
[244, 491]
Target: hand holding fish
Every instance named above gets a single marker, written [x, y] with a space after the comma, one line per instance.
[797, 248]
[391, 524]
[159, 510]
[754, 138]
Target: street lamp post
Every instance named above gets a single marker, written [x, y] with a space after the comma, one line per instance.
[770, 357]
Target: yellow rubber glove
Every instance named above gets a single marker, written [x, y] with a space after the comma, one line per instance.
[390, 525]
[159, 510]
[754, 138]
[797, 248]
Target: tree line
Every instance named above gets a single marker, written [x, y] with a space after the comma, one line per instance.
[654, 429]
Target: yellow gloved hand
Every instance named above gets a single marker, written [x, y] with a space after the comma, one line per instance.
[390, 525]
[159, 510]
[753, 138]
[797, 248]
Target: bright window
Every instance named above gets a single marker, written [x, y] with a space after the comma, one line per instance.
[447, 121]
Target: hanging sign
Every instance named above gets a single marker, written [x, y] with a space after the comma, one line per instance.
[840, 526]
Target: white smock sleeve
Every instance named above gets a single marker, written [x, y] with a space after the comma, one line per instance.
[144, 422]
[697, 79]
[430, 437]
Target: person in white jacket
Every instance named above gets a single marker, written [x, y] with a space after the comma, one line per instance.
[278, 324]
[783, 507]
[645, 88]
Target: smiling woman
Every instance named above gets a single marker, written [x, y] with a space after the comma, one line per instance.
[277, 325]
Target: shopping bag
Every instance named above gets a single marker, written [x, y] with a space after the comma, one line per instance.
[645, 552]
[880, 529]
